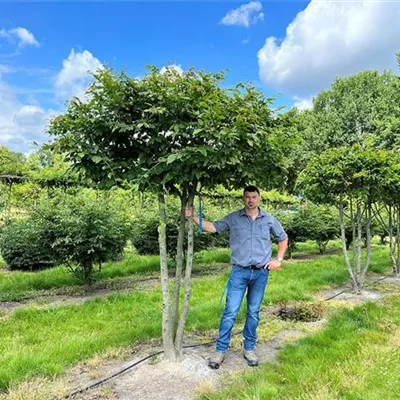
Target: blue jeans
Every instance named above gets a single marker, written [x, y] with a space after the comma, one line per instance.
[241, 279]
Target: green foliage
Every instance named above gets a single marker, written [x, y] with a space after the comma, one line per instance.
[24, 245]
[145, 236]
[11, 163]
[349, 171]
[49, 169]
[308, 221]
[87, 233]
[79, 231]
[355, 110]
[171, 130]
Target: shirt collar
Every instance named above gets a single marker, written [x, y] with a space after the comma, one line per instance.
[261, 213]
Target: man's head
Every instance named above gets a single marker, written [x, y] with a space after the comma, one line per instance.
[251, 197]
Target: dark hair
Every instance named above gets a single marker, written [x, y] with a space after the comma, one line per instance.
[251, 188]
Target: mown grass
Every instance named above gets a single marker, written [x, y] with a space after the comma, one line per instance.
[355, 357]
[44, 341]
[17, 285]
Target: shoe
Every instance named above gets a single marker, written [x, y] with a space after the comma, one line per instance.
[216, 359]
[251, 358]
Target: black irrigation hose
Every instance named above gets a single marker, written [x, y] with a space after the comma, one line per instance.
[101, 381]
[345, 290]
[108, 378]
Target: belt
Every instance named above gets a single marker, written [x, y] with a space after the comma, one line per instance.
[253, 266]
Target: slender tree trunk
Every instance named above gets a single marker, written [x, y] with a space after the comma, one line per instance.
[392, 241]
[368, 236]
[188, 273]
[179, 263]
[353, 231]
[357, 262]
[397, 257]
[344, 247]
[167, 322]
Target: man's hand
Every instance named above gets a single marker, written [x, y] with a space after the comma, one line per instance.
[189, 212]
[273, 264]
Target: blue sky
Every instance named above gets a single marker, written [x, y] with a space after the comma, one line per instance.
[289, 49]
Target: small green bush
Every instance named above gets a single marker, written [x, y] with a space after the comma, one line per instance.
[88, 233]
[24, 246]
[78, 231]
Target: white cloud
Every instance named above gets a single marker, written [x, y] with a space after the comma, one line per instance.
[4, 69]
[330, 39]
[30, 115]
[21, 35]
[175, 67]
[74, 77]
[20, 123]
[244, 15]
[303, 103]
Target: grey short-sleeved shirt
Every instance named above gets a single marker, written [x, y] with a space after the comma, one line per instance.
[250, 240]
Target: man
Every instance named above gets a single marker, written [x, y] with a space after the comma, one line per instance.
[250, 240]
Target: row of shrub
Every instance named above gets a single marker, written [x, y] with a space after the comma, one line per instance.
[82, 231]
[78, 231]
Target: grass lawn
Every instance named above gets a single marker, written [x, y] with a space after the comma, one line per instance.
[44, 341]
[18, 285]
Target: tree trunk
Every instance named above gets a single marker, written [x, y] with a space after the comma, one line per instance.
[357, 262]
[188, 273]
[368, 238]
[397, 257]
[167, 322]
[179, 264]
[344, 244]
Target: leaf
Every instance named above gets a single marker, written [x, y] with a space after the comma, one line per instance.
[172, 157]
[96, 159]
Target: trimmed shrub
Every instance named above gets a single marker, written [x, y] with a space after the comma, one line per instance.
[88, 233]
[23, 245]
[80, 232]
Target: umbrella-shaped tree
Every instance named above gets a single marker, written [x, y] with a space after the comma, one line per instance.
[172, 133]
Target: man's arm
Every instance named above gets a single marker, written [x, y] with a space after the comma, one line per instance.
[206, 225]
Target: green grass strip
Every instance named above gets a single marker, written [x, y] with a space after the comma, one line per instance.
[18, 285]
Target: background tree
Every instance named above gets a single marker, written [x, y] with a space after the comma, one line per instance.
[353, 179]
[355, 110]
[388, 212]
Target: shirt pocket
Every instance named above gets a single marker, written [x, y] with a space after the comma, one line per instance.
[264, 231]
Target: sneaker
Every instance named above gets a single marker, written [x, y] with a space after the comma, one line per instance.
[251, 358]
[216, 359]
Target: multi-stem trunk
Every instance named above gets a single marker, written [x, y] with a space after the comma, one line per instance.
[188, 274]
[167, 322]
[179, 263]
[392, 226]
